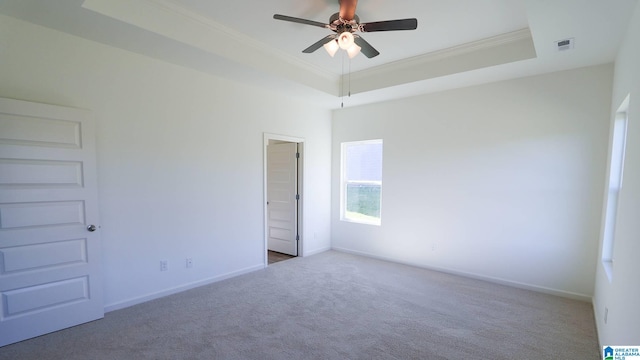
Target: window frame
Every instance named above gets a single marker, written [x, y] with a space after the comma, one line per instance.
[344, 182]
[618, 147]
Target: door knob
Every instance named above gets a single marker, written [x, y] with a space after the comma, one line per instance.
[91, 228]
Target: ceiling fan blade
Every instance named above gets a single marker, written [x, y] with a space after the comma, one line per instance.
[365, 48]
[300, 21]
[389, 25]
[348, 9]
[319, 44]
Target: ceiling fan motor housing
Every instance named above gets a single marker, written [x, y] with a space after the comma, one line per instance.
[340, 25]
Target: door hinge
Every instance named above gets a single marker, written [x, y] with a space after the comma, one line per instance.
[297, 237]
[297, 155]
[297, 196]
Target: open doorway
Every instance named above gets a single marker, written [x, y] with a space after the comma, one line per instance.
[274, 257]
[283, 162]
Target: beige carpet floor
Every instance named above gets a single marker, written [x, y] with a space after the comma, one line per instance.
[334, 306]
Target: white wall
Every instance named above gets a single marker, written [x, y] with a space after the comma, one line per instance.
[500, 181]
[180, 158]
[621, 295]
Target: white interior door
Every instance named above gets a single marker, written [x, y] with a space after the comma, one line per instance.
[49, 258]
[282, 203]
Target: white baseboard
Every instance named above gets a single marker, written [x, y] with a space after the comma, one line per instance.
[138, 300]
[317, 251]
[541, 289]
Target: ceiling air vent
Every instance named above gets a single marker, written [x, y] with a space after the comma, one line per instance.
[566, 44]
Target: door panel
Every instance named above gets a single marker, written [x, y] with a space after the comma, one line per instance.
[282, 209]
[38, 174]
[48, 255]
[49, 261]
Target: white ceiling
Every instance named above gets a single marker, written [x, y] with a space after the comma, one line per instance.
[457, 43]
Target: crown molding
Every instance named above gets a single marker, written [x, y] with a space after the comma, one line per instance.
[173, 6]
[497, 50]
[205, 34]
[471, 47]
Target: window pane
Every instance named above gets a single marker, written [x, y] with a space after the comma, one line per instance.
[617, 150]
[364, 162]
[363, 199]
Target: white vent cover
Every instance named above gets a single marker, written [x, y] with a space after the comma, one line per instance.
[565, 44]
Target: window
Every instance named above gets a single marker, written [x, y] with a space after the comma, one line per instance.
[361, 181]
[616, 167]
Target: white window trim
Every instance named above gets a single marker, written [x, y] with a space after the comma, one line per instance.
[344, 182]
[614, 185]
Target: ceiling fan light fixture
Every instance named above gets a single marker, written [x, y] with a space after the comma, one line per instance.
[331, 47]
[345, 40]
[353, 51]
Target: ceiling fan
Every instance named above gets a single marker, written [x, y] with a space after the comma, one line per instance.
[345, 24]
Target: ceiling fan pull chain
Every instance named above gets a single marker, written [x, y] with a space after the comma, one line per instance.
[342, 84]
[349, 85]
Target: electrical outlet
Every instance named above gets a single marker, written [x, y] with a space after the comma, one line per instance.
[189, 263]
[164, 265]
